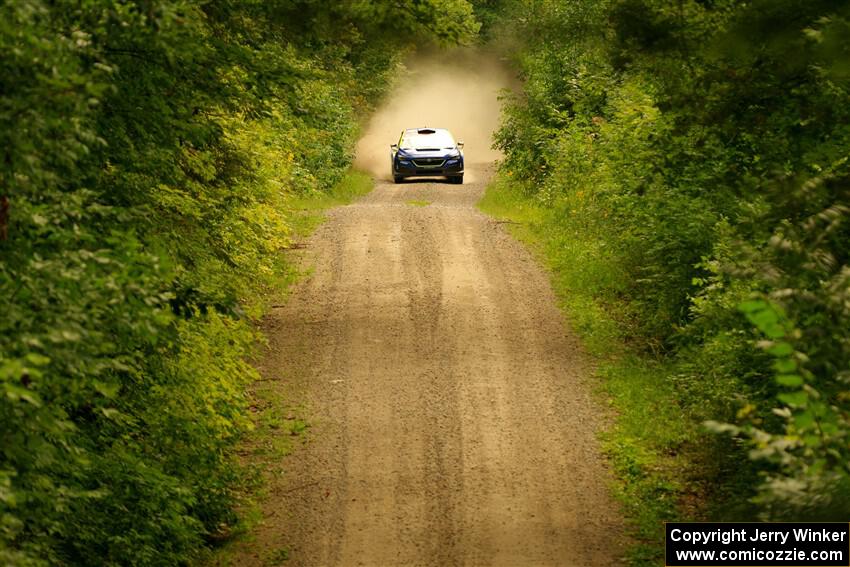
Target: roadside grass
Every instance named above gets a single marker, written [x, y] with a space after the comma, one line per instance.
[303, 215]
[306, 212]
[649, 442]
[279, 421]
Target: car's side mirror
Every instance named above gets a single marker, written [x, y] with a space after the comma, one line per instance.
[393, 146]
[460, 145]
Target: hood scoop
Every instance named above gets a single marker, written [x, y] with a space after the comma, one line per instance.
[427, 149]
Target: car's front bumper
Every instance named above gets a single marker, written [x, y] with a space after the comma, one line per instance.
[425, 167]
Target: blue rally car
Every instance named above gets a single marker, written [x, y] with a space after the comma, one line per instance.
[426, 152]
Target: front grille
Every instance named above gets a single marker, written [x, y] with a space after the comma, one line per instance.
[429, 162]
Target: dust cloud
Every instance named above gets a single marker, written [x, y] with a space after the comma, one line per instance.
[455, 89]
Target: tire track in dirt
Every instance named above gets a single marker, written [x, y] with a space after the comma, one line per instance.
[451, 422]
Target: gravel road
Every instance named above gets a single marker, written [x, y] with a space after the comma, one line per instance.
[451, 420]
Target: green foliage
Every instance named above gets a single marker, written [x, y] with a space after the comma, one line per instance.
[692, 156]
[152, 156]
[807, 451]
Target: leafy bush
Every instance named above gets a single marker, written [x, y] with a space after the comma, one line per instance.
[699, 150]
[150, 150]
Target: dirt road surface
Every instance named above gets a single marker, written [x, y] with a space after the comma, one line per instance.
[451, 420]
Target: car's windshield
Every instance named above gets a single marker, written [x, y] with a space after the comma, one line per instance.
[426, 139]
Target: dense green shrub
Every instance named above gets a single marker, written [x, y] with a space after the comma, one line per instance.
[700, 149]
[149, 150]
